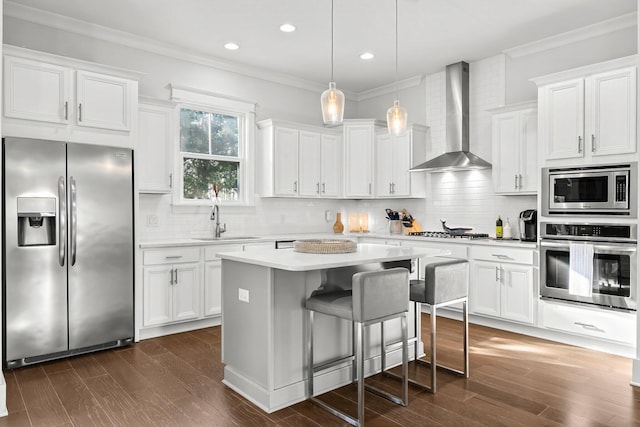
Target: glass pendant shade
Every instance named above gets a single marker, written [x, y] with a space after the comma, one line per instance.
[397, 119]
[332, 101]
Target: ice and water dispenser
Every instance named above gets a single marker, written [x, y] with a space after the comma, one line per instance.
[36, 221]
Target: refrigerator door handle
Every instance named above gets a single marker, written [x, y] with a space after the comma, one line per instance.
[74, 220]
[62, 221]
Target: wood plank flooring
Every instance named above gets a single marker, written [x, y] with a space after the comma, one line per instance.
[176, 381]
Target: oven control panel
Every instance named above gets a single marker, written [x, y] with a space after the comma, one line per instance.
[608, 232]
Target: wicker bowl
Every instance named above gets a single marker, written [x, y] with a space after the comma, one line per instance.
[325, 246]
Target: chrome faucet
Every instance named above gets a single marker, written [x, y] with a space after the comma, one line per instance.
[215, 214]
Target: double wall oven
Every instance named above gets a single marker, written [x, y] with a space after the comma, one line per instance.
[592, 206]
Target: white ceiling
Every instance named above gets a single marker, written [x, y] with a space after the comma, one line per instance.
[432, 33]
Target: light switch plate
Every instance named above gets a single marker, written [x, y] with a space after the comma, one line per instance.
[243, 295]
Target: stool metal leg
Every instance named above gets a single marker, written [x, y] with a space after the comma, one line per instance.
[360, 368]
[433, 349]
[310, 355]
[405, 361]
[465, 315]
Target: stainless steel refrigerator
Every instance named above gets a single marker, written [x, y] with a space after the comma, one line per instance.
[67, 249]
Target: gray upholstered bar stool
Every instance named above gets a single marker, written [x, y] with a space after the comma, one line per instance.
[446, 282]
[375, 296]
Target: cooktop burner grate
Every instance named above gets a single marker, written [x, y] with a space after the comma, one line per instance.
[445, 235]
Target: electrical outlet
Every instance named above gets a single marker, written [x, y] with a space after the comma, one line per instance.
[152, 220]
[329, 216]
[243, 295]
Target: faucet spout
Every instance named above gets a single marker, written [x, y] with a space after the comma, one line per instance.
[215, 215]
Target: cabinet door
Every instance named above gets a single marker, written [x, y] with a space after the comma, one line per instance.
[213, 288]
[528, 151]
[309, 163]
[484, 293]
[285, 162]
[153, 146]
[157, 290]
[506, 139]
[36, 91]
[384, 165]
[186, 289]
[563, 113]
[103, 101]
[358, 167]
[331, 166]
[517, 293]
[612, 112]
[401, 147]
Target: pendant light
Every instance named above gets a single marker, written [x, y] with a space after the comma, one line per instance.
[332, 99]
[397, 115]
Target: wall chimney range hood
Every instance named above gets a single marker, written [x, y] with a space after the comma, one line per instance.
[457, 156]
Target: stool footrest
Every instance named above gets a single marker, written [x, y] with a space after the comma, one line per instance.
[351, 420]
[444, 368]
[332, 363]
[388, 396]
[413, 382]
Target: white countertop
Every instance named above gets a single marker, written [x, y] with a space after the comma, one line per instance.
[287, 259]
[228, 240]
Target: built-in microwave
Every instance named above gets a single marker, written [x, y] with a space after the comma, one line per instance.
[593, 190]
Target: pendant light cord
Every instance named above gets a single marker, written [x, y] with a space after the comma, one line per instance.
[396, 49]
[332, 40]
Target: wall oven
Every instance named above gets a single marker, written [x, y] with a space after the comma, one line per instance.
[593, 190]
[614, 263]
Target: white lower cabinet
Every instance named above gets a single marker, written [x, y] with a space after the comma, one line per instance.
[213, 288]
[502, 289]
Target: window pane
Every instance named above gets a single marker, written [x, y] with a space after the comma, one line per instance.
[208, 133]
[194, 131]
[201, 174]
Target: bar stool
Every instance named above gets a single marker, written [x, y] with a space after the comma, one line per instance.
[445, 283]
[376, 296]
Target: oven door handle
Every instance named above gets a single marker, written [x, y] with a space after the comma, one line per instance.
[630, 248]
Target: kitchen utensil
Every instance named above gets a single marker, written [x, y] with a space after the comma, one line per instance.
[456, 230]
[392, 215]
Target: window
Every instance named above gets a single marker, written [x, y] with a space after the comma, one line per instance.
[215, 146]
[210, 154]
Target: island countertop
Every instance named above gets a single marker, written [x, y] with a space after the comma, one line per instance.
[288, 259]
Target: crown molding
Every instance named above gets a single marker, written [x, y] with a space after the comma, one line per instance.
[389, 88]
[601, 28]
[99, 32]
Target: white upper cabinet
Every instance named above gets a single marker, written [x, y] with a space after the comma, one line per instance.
[103, 101]
[589, 112]
[298, 160]
[359, 140]
[36, 91]
[514, 139]
[53, 97]
[153, 147]
[395, 155]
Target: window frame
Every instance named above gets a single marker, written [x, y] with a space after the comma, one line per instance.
[216, 104]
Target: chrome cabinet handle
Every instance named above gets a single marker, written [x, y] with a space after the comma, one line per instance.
[80, 112]
[323, 188]
[175, 280]
[520, 180]
[74, 220]
[62, 221]
[173, 257]
[593, 143]
[515, 184]
[588, 326]
[579, 144]
[317, 188]
[170, 180]
[295, 186]
[369, 188]
[501, 256]
[390, 188]
[393, 188]
[497, 274]
[66, 110]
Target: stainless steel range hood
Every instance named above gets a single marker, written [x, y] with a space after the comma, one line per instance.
[457, 156]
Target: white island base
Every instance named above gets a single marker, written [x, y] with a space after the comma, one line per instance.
[264, 322]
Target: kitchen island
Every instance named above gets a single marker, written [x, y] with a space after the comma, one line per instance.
[264, 320]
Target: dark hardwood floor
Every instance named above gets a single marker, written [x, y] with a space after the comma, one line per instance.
[176, 381]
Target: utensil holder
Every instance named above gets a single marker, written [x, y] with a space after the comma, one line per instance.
[395, 226]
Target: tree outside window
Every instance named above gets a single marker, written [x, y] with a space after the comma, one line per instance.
[210, 151]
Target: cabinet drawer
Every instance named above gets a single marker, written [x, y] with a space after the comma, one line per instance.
[592, 322]
[493, 253]
[170, 255]
[211, 251]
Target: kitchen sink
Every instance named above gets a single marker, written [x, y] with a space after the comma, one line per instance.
[211, 238]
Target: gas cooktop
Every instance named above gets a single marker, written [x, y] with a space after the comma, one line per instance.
[445, 235]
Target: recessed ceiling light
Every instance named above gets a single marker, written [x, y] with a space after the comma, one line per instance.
[287, 28]
[231, 46]
[367, 55]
